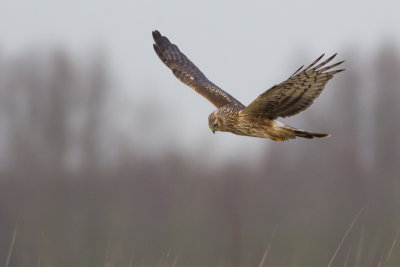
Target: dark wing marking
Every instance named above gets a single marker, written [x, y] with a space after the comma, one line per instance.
[188, 73]
[296, 93]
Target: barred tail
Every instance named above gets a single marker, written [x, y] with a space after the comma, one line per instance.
[309, 135]
[284, 132]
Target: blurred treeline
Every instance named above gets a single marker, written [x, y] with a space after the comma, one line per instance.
[71, 206]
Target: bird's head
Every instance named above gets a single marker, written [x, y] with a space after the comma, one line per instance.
[214, 122]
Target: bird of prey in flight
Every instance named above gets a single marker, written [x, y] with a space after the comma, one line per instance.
[258, 119]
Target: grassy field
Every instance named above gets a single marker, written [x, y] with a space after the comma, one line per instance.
[78, 194]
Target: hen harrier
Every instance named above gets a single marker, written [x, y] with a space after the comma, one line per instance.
[288, 98]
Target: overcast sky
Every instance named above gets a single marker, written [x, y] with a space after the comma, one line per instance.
[243, 46]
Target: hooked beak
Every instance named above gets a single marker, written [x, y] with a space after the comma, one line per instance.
[212, 130]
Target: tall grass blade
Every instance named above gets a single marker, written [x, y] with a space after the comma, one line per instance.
[391, 249]
[345, 235]
[268, 247]
[347, 257]
[12, 245]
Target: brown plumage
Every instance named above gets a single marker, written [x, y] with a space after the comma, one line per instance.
[288, 98]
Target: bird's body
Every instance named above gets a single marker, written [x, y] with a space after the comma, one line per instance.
[259, 118]
[234, 121]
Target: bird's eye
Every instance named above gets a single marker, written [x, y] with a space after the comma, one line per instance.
[215, 124]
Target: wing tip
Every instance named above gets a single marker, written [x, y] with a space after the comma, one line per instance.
[157, 37]
[155, 34]
[314, 62]
[297, 71]
[332, 57]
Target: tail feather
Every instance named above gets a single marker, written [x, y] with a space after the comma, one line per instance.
[284, 132]
[309, 135]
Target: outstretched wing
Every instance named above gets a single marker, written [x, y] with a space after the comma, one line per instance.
[188, 73]
[296, 93]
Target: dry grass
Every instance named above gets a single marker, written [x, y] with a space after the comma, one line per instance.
[264, 258]
[347, 257]
[391, 248]
[345, 235]
[12, 245]
[168, 258]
